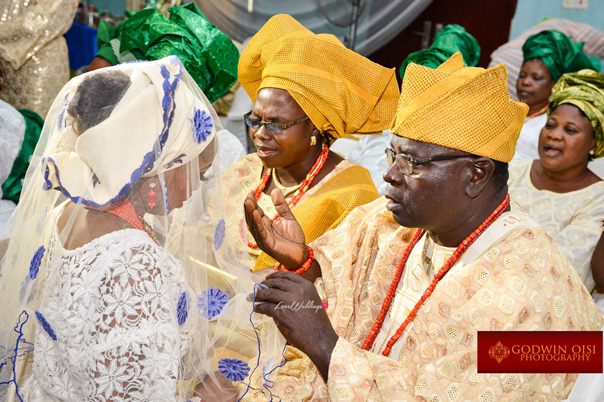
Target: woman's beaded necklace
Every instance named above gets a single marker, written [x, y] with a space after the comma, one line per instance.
[468, 241]
[124, 209]
[285, 190]
[539, 113]
[302, 188]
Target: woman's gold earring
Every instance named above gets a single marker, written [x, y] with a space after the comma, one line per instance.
[592, 152]
[313, 141]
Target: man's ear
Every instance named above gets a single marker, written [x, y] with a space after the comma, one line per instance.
[481, 171]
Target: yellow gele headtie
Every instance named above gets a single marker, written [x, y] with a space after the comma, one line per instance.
[340, 91]
[464, 108]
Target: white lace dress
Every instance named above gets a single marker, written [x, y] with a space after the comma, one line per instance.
[113, 328]
[574, 220]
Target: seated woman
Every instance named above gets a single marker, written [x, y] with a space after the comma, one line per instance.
[558, 190]
[122, 310]
[308, 90]
[547, 55]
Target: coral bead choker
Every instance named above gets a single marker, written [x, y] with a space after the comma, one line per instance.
[124, 209]
[467, 242]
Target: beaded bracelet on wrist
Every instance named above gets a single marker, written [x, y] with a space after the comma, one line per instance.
[303, 268]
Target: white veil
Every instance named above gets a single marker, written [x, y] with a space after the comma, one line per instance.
[142, 123]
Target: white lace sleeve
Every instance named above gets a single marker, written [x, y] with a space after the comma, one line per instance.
[137, 352]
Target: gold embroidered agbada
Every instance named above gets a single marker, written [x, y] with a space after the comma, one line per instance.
[519, 281]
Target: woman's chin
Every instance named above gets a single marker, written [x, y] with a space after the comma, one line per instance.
[270, 163]
[552, 164]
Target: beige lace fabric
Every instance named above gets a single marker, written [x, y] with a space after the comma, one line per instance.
[34, 52]
[575, 220]
[521, 282]
[112, 303]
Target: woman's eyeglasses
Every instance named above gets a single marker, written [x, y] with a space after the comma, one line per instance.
[274, 128]
[405, 163]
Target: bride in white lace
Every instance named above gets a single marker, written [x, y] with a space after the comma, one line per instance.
[118, 276]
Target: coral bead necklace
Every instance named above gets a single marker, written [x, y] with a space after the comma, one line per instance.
[124, 209]
[302, 189]
[467, 242]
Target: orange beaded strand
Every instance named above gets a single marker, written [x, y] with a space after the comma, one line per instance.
[122, 208]
[467, 242]
[304, 267]
[302, 189]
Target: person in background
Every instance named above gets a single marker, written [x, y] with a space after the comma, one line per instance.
[11, 189]
[510, 53]
[208, 54]
[19, 134]
[547, 55]
[307, 90]
[558, 190]
[12, 131]
[369, 150]
[33, 52]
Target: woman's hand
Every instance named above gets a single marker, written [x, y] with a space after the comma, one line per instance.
[219, 390]
[282, 239]
[298, 312]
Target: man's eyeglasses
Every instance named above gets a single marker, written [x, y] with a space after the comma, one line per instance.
[405, 163]
[274, 128]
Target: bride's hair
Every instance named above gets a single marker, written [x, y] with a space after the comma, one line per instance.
[96, 97]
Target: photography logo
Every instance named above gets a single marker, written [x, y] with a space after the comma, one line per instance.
[499, 352]
[539, 352]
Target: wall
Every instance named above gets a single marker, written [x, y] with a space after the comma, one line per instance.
[488, 21]
[530, 12]
[117, 7]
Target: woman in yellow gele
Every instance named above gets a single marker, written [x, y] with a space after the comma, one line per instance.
[308, 90]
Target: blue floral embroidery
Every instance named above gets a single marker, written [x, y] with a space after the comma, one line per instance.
[60, 118]
[233, 369]
[134, 61]
[181, 308]
[36, 260]
[202, 125]
[47, 183]
[211, 302]
[219, 234]
[165, 72]
[46, 326]
[165, 104]
[24, 285]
